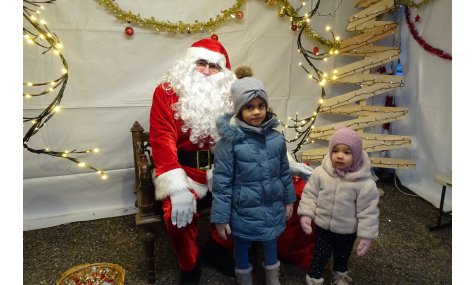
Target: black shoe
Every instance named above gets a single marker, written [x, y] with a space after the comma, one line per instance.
[217, 256]
[191, 277]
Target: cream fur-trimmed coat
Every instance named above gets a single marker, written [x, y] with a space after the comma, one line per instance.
[342, 205]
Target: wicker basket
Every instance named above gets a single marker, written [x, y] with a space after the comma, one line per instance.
[93, 274]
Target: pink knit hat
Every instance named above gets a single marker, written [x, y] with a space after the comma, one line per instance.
[349, 137]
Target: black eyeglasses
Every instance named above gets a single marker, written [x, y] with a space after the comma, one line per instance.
[202, 64]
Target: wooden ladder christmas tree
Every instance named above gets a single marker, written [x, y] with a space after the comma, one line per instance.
[354, 103]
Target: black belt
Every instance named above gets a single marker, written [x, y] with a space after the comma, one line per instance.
[201, 159]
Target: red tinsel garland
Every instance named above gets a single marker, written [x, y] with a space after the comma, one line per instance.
[438, 52]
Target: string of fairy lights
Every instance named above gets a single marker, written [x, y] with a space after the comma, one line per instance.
[41, 36]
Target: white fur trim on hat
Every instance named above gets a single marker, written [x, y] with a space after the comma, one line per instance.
[203, 53]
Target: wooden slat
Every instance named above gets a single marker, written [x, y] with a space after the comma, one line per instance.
[366, 63]
[368, 14]
[359, 123]
[354, 96]
[368, 37]
[370, 79]
[366, 3]
[356, 110]
[368, 50]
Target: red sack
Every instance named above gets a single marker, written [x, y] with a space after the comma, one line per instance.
[294, 245]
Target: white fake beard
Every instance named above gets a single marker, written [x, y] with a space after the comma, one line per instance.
[202, 99]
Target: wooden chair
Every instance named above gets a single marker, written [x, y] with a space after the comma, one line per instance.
[150, 214]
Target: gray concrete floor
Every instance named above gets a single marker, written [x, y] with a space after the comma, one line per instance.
[405, 253]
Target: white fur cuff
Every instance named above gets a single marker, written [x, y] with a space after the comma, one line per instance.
[170, 182]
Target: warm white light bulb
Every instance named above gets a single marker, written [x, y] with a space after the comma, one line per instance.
[81, 164]
[96, 150]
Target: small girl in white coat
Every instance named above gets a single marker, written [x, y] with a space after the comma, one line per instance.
[341, 198]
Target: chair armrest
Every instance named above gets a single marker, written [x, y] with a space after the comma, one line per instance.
[146, 189]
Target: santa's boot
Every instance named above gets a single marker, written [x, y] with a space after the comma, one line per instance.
[244, 276]
[217, 256]
[272, 274]
[191, 277]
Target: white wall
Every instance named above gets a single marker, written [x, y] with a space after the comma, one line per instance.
[112, 78]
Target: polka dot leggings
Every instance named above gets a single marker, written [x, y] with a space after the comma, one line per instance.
[326, 244]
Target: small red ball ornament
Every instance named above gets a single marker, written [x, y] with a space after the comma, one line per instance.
[294, 27]
[214, 37]
[129, 31]
[239, 14]
[315, 50]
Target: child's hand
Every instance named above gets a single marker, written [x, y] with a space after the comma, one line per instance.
[223, 230]
[289, 209]
[363, 246]
[306, 224]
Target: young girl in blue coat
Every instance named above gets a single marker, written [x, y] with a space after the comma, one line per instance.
[253, 193]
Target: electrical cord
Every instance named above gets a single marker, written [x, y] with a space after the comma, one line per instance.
[403, 192]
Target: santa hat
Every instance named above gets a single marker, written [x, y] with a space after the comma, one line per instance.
[211, 50]
[352, 139]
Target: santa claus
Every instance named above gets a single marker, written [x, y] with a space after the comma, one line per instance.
[194, 92]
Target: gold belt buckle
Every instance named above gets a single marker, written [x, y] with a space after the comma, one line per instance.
[198, 166]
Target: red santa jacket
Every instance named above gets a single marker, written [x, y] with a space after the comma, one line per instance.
[166, 139]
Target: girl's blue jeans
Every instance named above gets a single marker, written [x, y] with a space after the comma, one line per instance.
[241, 252]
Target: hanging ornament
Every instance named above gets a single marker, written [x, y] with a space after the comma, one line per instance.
[282, 11]
[129, 31]
[418, 18]
[214, 37]
[315, 50]
[293, 27]
[239, 14]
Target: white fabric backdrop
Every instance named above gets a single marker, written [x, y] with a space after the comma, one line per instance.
[112, 78]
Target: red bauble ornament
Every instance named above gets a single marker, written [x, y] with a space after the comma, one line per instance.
[293, 27]
[129, 31]
[214, 37]
[315, 50]
[239, 14]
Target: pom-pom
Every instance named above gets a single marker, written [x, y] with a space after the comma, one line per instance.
[243, 71]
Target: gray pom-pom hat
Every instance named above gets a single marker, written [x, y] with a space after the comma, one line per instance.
[244, 90]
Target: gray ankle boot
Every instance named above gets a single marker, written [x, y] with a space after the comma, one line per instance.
[244, 276]
[272, 274]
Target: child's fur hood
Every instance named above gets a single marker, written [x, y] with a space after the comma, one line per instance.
[229, 127]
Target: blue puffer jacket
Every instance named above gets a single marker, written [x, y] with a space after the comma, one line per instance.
[251, 180]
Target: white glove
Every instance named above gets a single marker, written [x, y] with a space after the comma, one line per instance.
[183, 208]
[300, 169]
